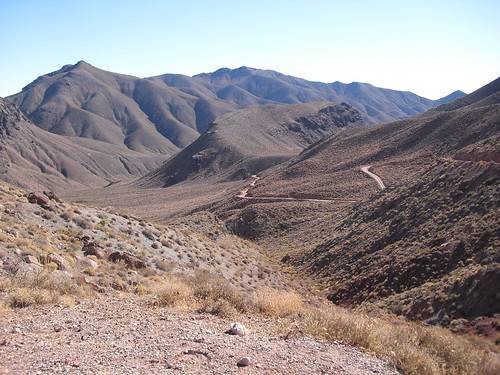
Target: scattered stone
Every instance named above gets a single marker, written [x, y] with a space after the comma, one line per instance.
[244, 362]
[57, 328]
[237, 329]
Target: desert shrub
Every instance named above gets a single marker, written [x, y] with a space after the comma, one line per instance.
[413, 348]
[221, 308]
[278, 303]
[24, 297]
[209, 289]
[174, 293]
[66, 215]
[82, 222]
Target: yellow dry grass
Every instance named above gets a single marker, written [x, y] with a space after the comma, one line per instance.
[412, 347]
[278, 304]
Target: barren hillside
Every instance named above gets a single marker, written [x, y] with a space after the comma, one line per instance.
[247, 141]
[34, 158]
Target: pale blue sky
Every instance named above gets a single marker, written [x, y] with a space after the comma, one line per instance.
[428, 47]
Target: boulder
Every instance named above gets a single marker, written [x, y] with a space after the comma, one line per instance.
[40, 199]
[92, 248]
[130, 260]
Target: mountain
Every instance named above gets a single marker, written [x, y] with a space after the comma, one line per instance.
[166, 113]
[397, 150]
[245, 142]
[450, 98]
[34, 158]
[426, 246]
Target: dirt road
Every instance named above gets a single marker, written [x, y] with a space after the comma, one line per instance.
[366, 169]
[243, 194]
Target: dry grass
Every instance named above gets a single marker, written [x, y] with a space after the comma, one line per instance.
[44, 287]
[415, 349]
[174, 293]
[24, 297]
[201, 292]
[278, 304]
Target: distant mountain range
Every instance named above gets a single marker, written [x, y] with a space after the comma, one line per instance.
[163, 114]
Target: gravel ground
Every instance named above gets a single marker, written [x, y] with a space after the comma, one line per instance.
[124, 335]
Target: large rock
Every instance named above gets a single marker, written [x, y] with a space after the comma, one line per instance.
[39, 198]
[91, 248]
[130, 260]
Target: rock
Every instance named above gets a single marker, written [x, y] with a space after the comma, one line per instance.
[53, 258]
[52, 196]
[40, 199]
[237, 329]
[92, 248]
[57, 328]
[130, 260]
[30, 259]
[87, 263]
[244, 362]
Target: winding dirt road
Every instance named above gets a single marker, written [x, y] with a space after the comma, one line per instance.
[243, 194]
[366, 169]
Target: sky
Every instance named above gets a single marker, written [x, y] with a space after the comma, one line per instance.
[428, 47]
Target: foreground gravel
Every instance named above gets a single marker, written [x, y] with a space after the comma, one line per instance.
[124, 335]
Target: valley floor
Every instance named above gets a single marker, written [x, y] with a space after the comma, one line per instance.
[124, 334]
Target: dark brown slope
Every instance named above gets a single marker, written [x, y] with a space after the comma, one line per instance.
[427, 249]
[396, 150]
[428, 246]
[34, 158]
[166, 113]
[245, 142]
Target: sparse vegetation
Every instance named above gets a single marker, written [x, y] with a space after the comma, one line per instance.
[278, 304]
[413, 348]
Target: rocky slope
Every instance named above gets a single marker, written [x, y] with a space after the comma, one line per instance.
[166, 113]
[104, 250]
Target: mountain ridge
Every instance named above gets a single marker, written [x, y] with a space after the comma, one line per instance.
[165, 113]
